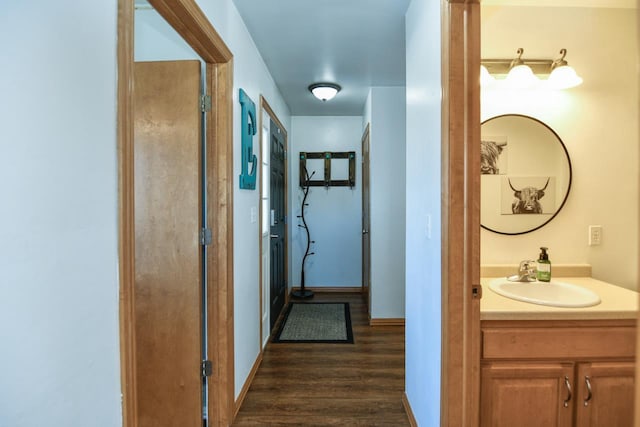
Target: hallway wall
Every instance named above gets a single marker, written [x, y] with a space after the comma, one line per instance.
[156, 40]
[423, 253]
[385, 113]
[58, 215]
[334, 215]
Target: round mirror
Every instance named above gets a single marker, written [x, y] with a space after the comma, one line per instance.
[526, 174]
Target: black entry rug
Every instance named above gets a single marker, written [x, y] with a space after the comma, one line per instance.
[316, 322]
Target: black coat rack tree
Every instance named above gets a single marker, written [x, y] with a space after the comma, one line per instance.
[302, 292]
[306, 182]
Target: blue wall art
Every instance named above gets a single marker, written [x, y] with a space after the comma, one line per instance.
[248, 176]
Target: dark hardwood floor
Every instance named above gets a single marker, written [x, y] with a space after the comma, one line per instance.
[358, 384]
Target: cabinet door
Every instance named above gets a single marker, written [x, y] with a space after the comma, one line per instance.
[527, 394]
[605, 394]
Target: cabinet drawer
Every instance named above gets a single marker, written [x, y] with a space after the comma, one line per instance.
[552, 343]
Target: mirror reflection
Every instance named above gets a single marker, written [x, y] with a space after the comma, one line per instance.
[526, 174]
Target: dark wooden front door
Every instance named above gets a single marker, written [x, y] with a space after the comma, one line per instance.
[366, 222]
[278, 283]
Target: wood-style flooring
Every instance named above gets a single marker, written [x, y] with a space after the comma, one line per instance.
[357, 384]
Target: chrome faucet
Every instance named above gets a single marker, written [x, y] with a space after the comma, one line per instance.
[526, 272]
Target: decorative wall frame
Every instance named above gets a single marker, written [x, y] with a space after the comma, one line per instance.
[327, 181]
[248, 129]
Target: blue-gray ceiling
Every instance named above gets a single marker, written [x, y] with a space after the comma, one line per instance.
[354, 43]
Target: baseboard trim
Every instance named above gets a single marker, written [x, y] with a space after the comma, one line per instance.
[407, 409]
[247, 384]
[334, 289]
[386, 322]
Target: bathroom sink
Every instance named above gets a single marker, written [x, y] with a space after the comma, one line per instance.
[554, 293]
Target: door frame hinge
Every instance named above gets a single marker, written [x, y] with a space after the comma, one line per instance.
[206, 368]
[205, 103]
[206, 237]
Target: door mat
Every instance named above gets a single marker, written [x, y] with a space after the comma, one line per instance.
[316, 322]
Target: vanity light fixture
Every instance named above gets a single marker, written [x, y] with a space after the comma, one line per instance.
[324, 91]
[562, 75]
[521, 73]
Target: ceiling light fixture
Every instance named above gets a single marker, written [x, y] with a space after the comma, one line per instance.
[324, 91]
[525, 73]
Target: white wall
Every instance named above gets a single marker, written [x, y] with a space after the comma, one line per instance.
[423, 256]
[334, 214]
[597, 121]
[252, 75]
[156, 40]
[366, 112]
[58, 217]
[385, 111]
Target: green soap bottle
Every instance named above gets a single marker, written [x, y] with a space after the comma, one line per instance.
[544, 266]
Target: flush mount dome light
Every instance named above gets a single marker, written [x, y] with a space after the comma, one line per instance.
[324, 91]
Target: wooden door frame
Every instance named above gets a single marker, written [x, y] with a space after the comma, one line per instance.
[461, 291]
[264, 106]
[637, 396]
[192, 24]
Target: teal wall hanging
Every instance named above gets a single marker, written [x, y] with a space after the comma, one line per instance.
[248, 123]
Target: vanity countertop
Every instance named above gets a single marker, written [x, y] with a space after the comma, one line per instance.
[617, 303]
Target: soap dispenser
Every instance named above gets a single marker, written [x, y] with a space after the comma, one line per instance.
[544, 266]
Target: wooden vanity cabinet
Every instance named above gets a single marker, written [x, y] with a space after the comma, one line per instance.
[557, 373]
[610, 401]
[525, 394]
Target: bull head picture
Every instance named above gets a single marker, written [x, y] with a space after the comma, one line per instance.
[527, 199]
[489, 155]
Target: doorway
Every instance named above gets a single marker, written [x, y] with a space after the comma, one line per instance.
[460, 81]
[192, 25]
[366, 222]
[273, 213]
